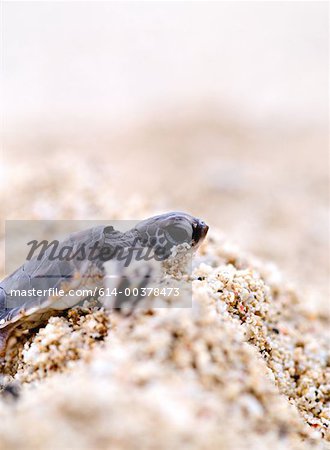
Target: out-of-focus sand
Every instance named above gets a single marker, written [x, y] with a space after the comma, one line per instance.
[267, 190]
[266, 187]
[124, 110]
[220, 108]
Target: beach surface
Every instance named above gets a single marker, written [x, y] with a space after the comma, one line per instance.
[246, 367]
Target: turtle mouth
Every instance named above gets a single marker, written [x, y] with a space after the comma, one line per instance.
[200, 230]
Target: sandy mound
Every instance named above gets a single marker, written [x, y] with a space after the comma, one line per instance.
[246, 367]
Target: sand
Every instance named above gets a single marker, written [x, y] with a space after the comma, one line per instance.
[246, 368]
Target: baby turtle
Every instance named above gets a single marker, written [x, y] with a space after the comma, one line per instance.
[79, 266]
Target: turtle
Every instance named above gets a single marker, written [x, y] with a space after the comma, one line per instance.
[38, 289]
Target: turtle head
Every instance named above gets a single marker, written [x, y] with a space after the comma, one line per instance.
[166, 231]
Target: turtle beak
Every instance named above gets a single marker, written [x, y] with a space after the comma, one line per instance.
[200, 230]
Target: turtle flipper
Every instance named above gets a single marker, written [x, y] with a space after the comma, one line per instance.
[126, 286]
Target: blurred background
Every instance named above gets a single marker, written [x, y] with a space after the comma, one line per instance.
[121, 109]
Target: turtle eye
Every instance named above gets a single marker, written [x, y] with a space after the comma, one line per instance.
[177, 234]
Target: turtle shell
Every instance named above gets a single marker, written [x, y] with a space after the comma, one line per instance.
[46, 277]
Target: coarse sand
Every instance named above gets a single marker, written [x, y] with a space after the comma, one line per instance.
[247, 367]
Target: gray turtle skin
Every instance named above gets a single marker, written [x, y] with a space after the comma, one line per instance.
[79, 271]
